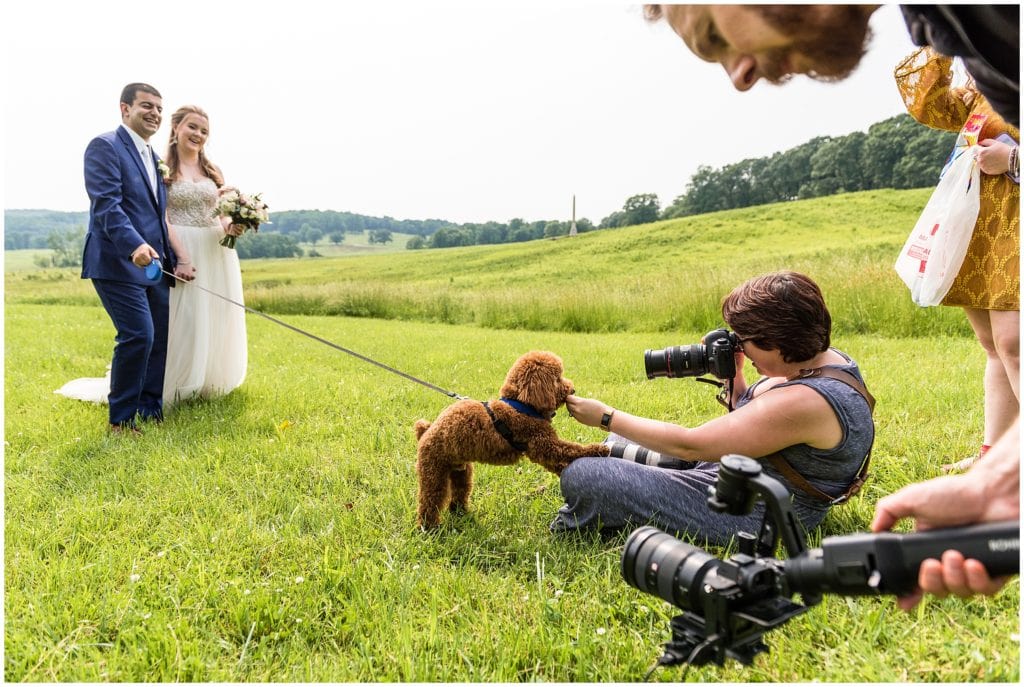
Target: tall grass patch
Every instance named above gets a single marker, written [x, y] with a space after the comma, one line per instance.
[667, 276]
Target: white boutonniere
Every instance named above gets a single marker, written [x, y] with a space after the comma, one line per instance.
[165, 171]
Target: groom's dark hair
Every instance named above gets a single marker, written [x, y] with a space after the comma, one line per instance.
[129, 91]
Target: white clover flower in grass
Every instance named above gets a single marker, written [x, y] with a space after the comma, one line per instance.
[134, 577]
[300, 579]
[601, 631]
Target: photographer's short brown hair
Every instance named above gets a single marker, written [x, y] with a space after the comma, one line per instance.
[781, 311]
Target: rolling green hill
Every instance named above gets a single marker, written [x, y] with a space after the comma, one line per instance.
[666, 276]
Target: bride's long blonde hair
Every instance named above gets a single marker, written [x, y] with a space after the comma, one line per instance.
[174, 162]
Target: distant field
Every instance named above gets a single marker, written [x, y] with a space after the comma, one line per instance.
[354, 244]
[22, 260]
[357, 244]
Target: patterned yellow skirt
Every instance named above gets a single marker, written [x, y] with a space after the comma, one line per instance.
[990, 276]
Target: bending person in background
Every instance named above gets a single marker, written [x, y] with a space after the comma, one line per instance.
[207, 353]
[988, 284]
[819, 424]
[988, 492]
[827, 42]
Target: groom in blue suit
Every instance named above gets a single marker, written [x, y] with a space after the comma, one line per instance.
[128, 230]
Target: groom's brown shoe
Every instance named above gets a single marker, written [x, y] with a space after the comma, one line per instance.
[126, 430]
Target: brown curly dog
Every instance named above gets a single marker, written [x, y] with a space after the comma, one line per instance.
[496, 432]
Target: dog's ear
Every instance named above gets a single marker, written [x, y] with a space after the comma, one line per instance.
[535, 379]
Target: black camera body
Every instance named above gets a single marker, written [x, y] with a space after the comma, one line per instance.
[729, 604]
[715, 355]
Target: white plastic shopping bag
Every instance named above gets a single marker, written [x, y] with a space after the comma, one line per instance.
[935, 249]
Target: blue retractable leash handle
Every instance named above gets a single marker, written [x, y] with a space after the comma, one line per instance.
[154, 270]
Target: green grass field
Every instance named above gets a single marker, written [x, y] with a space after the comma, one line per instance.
[270, 535]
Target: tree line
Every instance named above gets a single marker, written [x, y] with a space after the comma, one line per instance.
[894, 153]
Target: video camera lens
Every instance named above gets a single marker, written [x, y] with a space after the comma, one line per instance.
[657, 563]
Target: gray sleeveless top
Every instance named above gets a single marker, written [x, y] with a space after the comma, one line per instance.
[831, 470]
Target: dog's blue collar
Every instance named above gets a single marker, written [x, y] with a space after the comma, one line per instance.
[523, 408]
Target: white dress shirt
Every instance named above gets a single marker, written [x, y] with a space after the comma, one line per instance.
[146, 152]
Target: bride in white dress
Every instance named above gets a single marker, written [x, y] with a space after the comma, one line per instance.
[206, 341]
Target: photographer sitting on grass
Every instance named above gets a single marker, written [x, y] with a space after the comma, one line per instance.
[812, 430]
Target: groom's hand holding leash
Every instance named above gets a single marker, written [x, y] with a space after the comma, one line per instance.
[144, 255]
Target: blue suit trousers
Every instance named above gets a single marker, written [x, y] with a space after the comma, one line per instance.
[139, 313]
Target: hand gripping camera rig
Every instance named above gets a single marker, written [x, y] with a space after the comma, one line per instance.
[729, 604]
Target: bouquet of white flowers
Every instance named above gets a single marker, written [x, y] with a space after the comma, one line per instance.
[245, 209]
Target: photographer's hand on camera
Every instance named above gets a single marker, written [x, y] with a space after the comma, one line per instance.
[739, 382]
[988, 492]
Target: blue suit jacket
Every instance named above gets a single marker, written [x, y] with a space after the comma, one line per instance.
[123, 211]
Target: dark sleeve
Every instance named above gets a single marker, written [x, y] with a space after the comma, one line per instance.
[103, 184]
[986, 37]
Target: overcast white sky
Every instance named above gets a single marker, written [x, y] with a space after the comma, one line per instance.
[467, 111]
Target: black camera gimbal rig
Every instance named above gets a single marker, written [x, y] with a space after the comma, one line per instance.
[729, 604]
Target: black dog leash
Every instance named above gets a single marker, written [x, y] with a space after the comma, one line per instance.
[450, 394]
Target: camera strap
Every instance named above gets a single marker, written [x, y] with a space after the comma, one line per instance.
[724, 395]
[790, 473]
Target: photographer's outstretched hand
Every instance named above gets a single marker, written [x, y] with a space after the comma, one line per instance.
[586, 411]
[988, 492]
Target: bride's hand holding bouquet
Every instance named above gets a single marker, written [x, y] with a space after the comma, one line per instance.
[244, 212]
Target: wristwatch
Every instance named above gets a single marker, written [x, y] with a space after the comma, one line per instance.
[606, 419]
